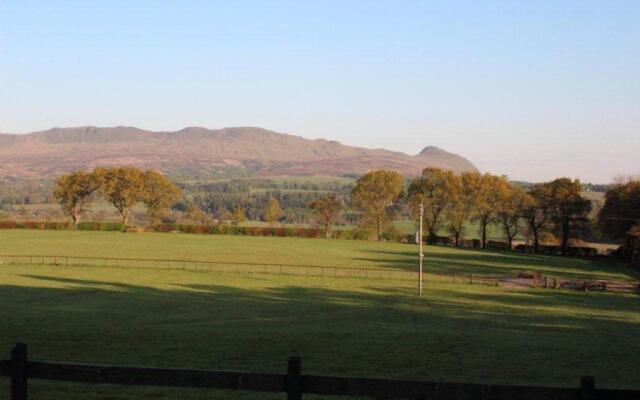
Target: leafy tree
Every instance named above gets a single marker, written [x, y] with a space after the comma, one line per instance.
[273, 212]
[433, 189]
[327, 210]
[23, 212]
[461, 205]
[239, 215]
[570, 209]
[621, 210]
[513, 201]
[537, 209]
[195, 215]
[73, 192]
[374, 192]
[124, 187]
[159, 193]
[486, 189]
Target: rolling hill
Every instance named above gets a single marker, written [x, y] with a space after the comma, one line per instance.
[204, 152]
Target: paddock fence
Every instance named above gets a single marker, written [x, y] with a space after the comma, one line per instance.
[327, 271]
[294, 384]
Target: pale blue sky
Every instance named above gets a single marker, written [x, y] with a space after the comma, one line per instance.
[532, 89]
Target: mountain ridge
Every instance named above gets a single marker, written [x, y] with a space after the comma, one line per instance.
[202, 151]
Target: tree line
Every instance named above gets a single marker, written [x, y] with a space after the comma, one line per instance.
[451, 203]
[123, 187]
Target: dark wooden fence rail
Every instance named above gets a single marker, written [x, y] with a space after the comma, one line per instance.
[294, 384]
[321, 271]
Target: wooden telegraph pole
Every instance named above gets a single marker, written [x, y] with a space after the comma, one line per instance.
[420, 255]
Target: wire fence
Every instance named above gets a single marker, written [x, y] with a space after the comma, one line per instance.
[326, 271]
[402, 273]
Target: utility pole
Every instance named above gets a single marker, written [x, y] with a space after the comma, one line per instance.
[420, 255]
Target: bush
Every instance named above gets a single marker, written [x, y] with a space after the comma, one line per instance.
[392, 234]
[100, 226]
[524, 248]
[8, 225]
[496, 245]
[442, 240]
[583, 251]
[58, 225]
[352, 234]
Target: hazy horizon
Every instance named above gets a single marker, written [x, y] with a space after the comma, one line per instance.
[533, 91]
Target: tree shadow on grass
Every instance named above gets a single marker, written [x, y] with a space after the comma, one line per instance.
[465, 333]
[502, 262]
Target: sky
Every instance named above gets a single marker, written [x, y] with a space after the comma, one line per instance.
[533, 90]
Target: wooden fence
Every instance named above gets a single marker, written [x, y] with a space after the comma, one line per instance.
[326, 271]
[294, 384]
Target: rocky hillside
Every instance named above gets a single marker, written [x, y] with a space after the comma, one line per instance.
[204, 152]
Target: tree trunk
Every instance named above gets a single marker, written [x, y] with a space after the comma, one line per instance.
[510, 234]
[326, 230]
[565, 235]
[457, 237]
[484, 235]
[379, 227]
[431, 237]
[75, 215]
[534, 230]
[125, 220]
[76, 219]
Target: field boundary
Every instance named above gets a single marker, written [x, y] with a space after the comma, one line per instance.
[20, 370]
[327, 271]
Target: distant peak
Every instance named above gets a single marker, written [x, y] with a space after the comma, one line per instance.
[430, 150]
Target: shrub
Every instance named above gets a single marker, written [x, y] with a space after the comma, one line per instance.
[442, 240]
[352, 234]
[494, 244]
[392, 234]
[57, 225]
[100, 226]
[583, 251]
[525, 248]
[8, 225]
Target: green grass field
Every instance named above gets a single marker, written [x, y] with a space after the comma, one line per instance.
[340, 253]
[353, 327]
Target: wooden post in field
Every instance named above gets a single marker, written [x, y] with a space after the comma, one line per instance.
[19, 372]
[587, 388]
[420, 254]
[294, 381]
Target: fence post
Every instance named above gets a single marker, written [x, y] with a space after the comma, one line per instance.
[19, 372]
[587, 387]
[294, 381]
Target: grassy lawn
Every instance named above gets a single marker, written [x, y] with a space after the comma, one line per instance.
[339, 326]
[341, 253]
